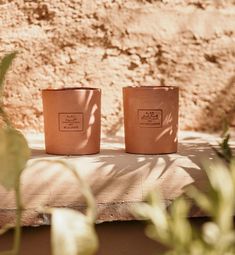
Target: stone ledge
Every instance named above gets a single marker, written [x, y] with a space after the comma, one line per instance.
[118, 180]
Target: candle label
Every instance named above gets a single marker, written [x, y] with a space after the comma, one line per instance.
[71, 121]
[150, 118]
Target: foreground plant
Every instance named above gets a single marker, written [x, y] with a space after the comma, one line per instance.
[173, 229]
[14, 154]
[225, 151]
[72, 232]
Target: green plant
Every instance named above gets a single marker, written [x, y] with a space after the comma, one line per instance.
[14, 154]
[72, 232]
[224, 151]
[173, 229]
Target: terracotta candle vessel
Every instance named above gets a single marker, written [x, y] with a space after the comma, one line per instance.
[151, 119]
[72, 120]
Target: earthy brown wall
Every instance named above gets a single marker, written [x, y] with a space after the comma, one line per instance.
[110, 44]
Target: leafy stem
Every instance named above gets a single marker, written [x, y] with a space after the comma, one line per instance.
[4, 66]
[17, 228]
[17, 236]
[5, 228]
[85, 189]
[91, 208]
[12, 142]
[5, 117]
[225, 151]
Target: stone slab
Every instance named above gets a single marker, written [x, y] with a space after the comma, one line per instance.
[118, 180]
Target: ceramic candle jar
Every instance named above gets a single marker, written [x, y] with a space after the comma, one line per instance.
[151, 119]
[72, 120]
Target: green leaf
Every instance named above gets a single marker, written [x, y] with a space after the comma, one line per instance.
[225, 151]
[201, 199]
[224, 145]
[155, 211]
[225, 128]
[14, 154]
[219, 175]
[232, 170]
[4, 66]
[72, 233]
[225, 148]
[211, 233]
[180, 226]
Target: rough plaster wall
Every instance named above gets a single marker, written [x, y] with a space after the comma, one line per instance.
[110, 44]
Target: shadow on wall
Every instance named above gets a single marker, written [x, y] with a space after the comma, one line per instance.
[216, 111]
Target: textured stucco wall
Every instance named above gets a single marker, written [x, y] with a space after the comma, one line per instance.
[110, 44]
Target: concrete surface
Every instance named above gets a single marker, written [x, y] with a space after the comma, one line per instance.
[111, 44]
[118, 180]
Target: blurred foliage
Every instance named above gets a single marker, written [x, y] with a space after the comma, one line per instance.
[4, 66]
[173, 228]
[72, 232]
[14, 154]
[224, 151]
